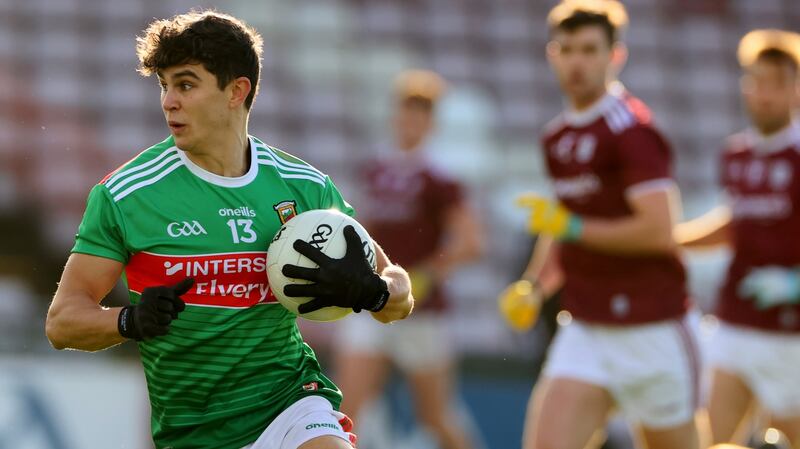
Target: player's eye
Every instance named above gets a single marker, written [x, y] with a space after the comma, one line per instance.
[186, 86]
[163, 87]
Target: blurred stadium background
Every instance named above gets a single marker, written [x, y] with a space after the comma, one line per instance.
[72, 108]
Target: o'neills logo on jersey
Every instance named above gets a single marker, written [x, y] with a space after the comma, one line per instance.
[243, 211]
[236, 280]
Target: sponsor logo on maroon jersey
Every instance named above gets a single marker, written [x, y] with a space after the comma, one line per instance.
[577, 186]
[766, 206]
[236, 280]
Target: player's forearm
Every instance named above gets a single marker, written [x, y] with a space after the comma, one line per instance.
[463, 243]
[400, 301]
[711, 229]
[83, 325]
[635, 235]
[457, 253]
[544, 268]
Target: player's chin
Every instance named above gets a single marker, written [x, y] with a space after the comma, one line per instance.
[182, 140]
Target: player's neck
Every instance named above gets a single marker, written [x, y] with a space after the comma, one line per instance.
[584, 102]
[769, 130]
[409, 146]
[224, 154]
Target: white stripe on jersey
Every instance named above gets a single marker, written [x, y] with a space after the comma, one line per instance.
[619, 118]
[653, 185]
[613, 119]
[261, 253]
[289, 165]
[272, 163]
[147, 182]
[149, 171]
[114, 179]
[279, 165]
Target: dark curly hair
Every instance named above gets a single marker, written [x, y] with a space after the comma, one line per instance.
[777, 56]
[223, 44]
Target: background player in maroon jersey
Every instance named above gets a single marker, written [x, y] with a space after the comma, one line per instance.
[629, 346]
[420, 215]
[755, 355]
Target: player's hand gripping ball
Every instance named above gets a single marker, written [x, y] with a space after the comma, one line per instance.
[335, 276]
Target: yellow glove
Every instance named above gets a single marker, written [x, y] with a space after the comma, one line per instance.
[520, 305]
[549, 217]
[422, 283]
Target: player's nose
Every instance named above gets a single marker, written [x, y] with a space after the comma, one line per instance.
[169, 101]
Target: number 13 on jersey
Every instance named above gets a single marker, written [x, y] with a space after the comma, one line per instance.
[246, 235]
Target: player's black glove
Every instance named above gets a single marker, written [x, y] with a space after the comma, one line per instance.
[349, 282]
[157, 307]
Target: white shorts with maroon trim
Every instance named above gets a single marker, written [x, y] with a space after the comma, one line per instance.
[306, 419]
[767, 362]
[651, 370]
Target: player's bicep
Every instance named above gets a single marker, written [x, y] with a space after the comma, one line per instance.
[88, 276]
[463, 226]
[658, 205]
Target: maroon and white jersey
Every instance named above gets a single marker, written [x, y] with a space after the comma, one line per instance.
[761, 178]
[597, 159]
[405, 206]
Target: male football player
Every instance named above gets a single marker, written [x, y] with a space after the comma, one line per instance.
[429, 228]
[187, 222]
[629, 345]
[754, 356]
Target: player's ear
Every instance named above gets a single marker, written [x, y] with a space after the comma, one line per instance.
[796, 102]
[240, 89]
[619, 56]
[551, 50]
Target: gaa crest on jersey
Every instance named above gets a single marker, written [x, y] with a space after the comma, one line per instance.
[285, 210]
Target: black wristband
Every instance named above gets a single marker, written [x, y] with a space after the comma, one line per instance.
[125, 325]
[382, 298]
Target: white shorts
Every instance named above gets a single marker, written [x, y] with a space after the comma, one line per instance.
[767, 362]
[306, 419]
[651, 370]
[417, 343]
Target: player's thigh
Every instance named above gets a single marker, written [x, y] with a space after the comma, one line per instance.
[421, 343]
[565, 414]
[361, 377]
[431, 389]
[325, 442]
[684, 436]
[361, 361]
[729, 404]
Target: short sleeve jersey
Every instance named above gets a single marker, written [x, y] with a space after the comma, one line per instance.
[234, 359]
[597, 159]
[405, 208]
[760, 177]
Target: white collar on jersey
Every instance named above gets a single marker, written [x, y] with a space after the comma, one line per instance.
[225, 181]
[600, 107]
[776, 141]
